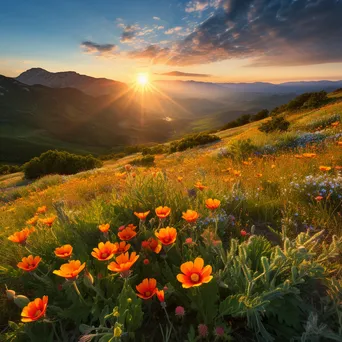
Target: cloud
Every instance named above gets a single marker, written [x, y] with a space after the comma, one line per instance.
[128, 33]
[173, 30]
[196, 6]
[156, 18]
[182, 74]
[151, 52]
[98, 49]
[268, 32]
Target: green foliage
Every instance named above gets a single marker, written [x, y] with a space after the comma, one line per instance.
[324, 122]
[242, 120]
[260, 115]
[308, 100]
[7, 169]
[192, 141]
[241, 149]
[157, 149]
[277, 123]
[58, 162]
[143, 161]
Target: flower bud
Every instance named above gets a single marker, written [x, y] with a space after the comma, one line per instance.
[21, 301]
[10, 294]
[88, 279]
[129, 300]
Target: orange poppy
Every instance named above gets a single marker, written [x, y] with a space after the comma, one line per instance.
[104, 227]
[123, 262]
[335, 124]
[325, 168]
[259, 175]
[161, 295]
[70, 270]
[21, 237]
[273, 166]
[127, 234]
[194, 273]
[147, 288]
[212, 204]
[163, 212]
[105, 251]
[132, 226]
[200, 186]
[34, 310]
[121, 247]
[180, 179]
[246, 163]
[152, 244]
[298, 156]
[142, 216]
[128, 167]
[338, 167]
[190, 216]
[339, 143]
[33, 221]
[30, 263]
[48, 221]
[237, 173]
[309, 155]
[42, 210]
[318, 198]
[64, 251]
[167, 236]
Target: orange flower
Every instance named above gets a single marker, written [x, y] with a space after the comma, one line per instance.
[298, 156]
[309, 155]
[180, 179]
[339, 143]
[70, 270]
[338, 167]
[318, 198]
[194, 274]
[105, 251]
[246, 163]
[212, 204]
[273, 166]
[63, 252]
[335, 124]
[190, 216]
[259, 175]
[142, 216]
[21, 237]
[123, 262]
[104, 227]
[325, 168]
[127, 234]
[30, 263]
[41, 210]
[163, 212]
[33, 221]
[152, 244]
[132, 226]
[48, 221]
[147, 288]
[34, 310]
[128, 167]
[167, 236]
[121, 247]
[237, 173]
[200, 186]
[161, 295]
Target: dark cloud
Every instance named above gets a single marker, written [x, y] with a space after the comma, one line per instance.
[98, 49]
[182, 74]
[152, 52]
[270, 32]
[128, 34]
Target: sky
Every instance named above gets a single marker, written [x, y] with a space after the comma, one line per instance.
[203, 40]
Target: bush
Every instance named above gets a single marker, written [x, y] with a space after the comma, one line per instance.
[7, 169]
[323, 122]
[157, 149]
[308, 100]
[261, 115]
[112, 156]
[241, 149]
[192, 141]
[277, 123]
[143, 161]
[59, 162]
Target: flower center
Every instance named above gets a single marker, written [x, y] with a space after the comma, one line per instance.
[104, 255]
[38, 312]
[166, 239]
[194, 277]
[147, 294]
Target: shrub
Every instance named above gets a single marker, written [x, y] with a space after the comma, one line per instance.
[143, 161]
[277, 123]
[324, 122]
[241, 149]
[308, 100]
[157, 149]
[261, 115]
[112, 156]
[59, 162]
[7, 169]
[242, 120]
[192, 141]
[278, 110]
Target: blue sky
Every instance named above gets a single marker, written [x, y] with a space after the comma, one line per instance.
[230, 40]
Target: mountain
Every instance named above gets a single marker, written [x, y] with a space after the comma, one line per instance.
[70, 79]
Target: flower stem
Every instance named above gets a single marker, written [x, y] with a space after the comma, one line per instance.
[78, 292]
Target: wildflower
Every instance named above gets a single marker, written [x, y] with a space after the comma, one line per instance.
[121, 247]
[71, 270]
[123, 263]
[200, 186]
[63, 252]
[298, 156]
[132, 226]
[33, 221]
[335, 124]
[318, 198]
[48, 221]
[273, 166]
[146, 261]
[34, 310]
[219, 331]
[309, 155]
[339, 143]
[202, 330]
[30, 263]
[338, 167]
[243, 232]
[212, 204]
[41, 210]
[167, 236]
[117, 331]
[246, 163]
[236, 173]
[21, 237]
[259, 175]
[179, 311]
[194, 274]
[163, 212]
[89, 280]
[104, 227]
[128, 167]
[189, 241]
[121, 228]
[180, 179]
[325, 168]
[105, 251]
[190, 216]
[10, 294]
[127, 234]
[142, 216]
[152, 244]
[147, 288]
[161, 295]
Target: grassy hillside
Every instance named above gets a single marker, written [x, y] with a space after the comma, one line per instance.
[273, 242]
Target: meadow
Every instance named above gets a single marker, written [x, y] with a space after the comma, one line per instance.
[238, 240]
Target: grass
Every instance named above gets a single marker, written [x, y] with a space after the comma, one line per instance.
[268, 214]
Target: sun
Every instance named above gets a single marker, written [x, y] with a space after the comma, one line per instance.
[142, 79]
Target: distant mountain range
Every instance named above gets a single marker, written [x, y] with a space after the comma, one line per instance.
[40, 110]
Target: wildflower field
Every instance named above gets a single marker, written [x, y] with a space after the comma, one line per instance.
[239, 240]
